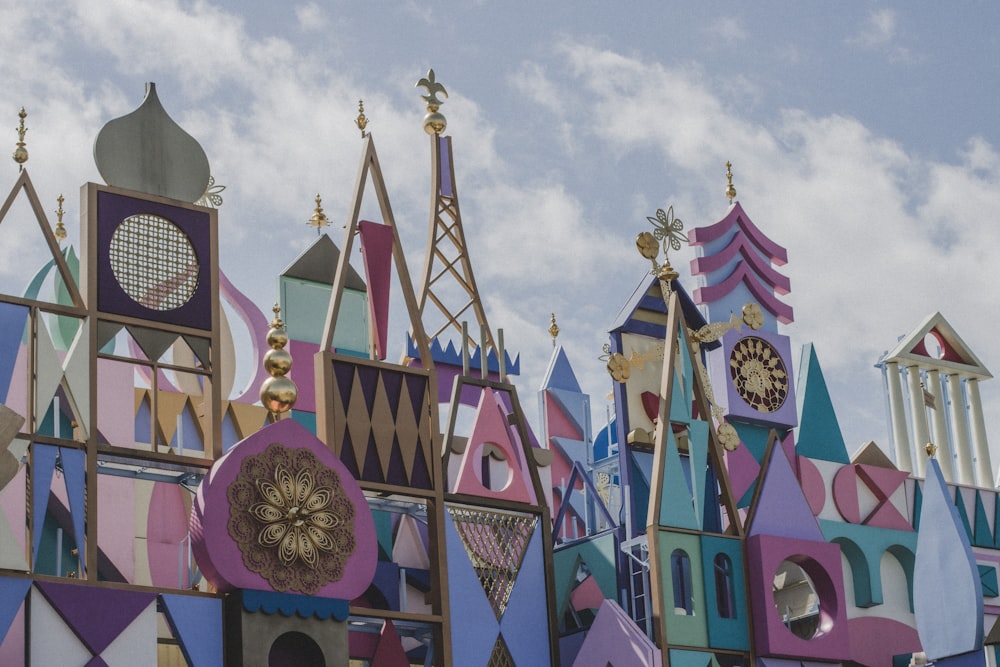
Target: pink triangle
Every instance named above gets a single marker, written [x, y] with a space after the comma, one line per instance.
[389, 652]
[885, 481]
[743, 470]
[376, 246]
[782, 509]
[556, 422]
[491, 428]
[587, 595]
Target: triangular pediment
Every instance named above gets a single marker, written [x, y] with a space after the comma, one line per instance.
[936, 344]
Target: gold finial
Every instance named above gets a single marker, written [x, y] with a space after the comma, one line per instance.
[554, 329]
[666, 229]
[60, 231]
[361, 121]
[730, 190]
[21, 153]
[434, 121]
[318, 219]
[931, 449]
[278, 393]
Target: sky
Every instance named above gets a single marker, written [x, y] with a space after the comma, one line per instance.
[863, 137]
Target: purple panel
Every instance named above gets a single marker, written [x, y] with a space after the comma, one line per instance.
[74, 473]
[347, 456]
[12, 320]
[12, 592]
[373, 462]
[257, 322]
[44, 464]
[757, 287]
[397, 472]
[740, 245]
[387, 582]
[738, 217]
[95, 615]
[785, 416]
[444, 173]
[376, 246]
[343, 373]
[420, 476]
[96, 661]
[197, 625]
[782, 508]
[416, 387]
[368, 376]
[469, 603]
[112, 209]
[393, 383]
[525, 623]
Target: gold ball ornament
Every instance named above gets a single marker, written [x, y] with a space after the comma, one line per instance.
[435, 122]
[277, 362]
[278, 394]
[20, 155]
[277, 338]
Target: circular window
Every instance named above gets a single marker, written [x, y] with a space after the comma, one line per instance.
[934, 345]
[154, 262]
[796, 600]
[759, 374]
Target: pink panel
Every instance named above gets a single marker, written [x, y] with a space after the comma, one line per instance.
[12, 648]
[587, 595]
[491, 427]
[116, 538]
[743, 469]
[845, 494]
[813, 485]
[167, 528]
[556, 423]
[376, 246]
[874, 640]
[14, 504]
[218, 554]
[884, 482]
[116, 390]
[389, 652]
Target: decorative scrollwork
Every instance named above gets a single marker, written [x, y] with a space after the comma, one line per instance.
[759, 374]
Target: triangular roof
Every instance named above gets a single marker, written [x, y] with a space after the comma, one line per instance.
[648, 296]
[956, 354]
[559, 374]
[318, 264]
[819, 435]
[871, 454]
[780, 507]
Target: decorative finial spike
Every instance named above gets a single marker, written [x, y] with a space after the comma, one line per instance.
[434, 121]
[318, 219]
[730, 190]
[278, 393]
[60, 230]
[361, 121]
[931, 449]
[554, 329]
[21, 153]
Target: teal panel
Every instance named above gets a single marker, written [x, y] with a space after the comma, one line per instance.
[599, 554]
[819, 435]
[383, 534]
[733, 632]
[754, 437]
[304, 305]
[988, 577]
[918, 500]
[307, 419]
[982, 535]
[698, 460]
[642, 468]
[863, 547]
[676, 502]
[692, 659]
[682, 393]
[963, 515]
[683, 629]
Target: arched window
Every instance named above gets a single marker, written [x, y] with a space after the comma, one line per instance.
[725, 596]
[680, 568]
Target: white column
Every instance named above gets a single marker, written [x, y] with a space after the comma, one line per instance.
[940, 424]
[918, 414]
[984, 468]
[960, 432]
[904, 460]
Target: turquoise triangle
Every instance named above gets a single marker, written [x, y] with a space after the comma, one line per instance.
[819, 434]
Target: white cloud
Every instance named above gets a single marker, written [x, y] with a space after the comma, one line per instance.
[880, 31]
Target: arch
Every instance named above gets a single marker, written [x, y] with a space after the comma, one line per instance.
[906, 558]
[295, 649]
[680, 570]
[866, 592]
[725, 594]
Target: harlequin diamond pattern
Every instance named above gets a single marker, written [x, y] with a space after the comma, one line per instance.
[382, 429]
[496, 543]
[500, 657]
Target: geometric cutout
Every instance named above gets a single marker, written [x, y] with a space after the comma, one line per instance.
[988, 579]
[495, 543]
[96, 615]
[389, 651]
[197, 625]
[51, 641]
[500, 656]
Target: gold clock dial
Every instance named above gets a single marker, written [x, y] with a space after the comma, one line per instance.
[758, 374]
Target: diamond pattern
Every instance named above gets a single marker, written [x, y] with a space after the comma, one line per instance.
[500, 657]
[495, 543]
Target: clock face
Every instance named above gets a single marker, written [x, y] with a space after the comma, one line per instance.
[758, 374]
[154, 262]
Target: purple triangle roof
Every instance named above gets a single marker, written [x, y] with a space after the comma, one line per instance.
[560, 373]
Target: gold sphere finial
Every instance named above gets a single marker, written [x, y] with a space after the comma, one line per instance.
[318, 219]
[931, 449]
[730, 190]
[21, 153]
[554, 328]
[60, 230]
[361, 121]
[434, 121]
[278, 393]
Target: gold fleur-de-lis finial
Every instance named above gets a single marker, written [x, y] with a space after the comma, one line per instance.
[361, 121]
[554, 329]
[21, 153]
[318, 219]
[434, 121]
[730, 190]
[60, 230]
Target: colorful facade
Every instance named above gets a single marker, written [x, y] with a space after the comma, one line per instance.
[377, 497]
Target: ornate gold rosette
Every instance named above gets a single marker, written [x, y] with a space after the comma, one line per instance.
[291, 519]
[758, 373]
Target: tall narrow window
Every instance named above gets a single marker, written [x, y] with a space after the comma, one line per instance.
[680, 567]
[725, 596]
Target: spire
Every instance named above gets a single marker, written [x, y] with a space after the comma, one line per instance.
[60, 231]
[21, 153]
[434, 121]
[318, 219]
[278, 393]
[361, 121]
[554, 330]
[730, 190]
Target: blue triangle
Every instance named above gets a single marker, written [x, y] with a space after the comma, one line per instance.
[197, 625]
[560, 374]
[782, 509]
[819, 434]
[12, 592]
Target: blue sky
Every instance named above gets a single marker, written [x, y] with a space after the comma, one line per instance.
[863, 137]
